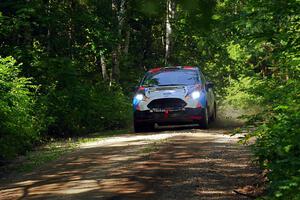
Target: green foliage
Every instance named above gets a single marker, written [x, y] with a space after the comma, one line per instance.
[83, 108]
[278, 146]
[242, 93]
[19, 126]
[277, 131]
[74, 105]
[264, 50]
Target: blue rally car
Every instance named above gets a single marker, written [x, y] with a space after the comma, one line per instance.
[173, 95]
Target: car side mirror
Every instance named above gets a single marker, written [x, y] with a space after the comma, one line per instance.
[209, 85]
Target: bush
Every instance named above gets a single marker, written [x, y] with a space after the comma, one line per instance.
[85, 108]
[76, 106]
[278, 139]
[64, 104]
[277, 131]
[242, 93]
[18, 125]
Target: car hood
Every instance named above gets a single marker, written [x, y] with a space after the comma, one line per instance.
[166, 92]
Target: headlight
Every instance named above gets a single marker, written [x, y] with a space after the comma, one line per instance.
[139, 97]
[196, 94]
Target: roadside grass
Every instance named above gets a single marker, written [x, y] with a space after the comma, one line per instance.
[49, 152]
[53, 150]
[100, 136]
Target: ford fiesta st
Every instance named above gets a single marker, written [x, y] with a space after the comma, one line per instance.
[173, 95]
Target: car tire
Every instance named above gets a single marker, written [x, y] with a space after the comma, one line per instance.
[205, 120]
[142, 127]
[214, 114]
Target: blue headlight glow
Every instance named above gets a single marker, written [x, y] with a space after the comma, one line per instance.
[195, 94]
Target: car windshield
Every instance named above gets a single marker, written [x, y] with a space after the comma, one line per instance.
[171, 77]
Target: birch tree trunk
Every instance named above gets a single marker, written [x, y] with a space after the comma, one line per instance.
[170, 14]
[117, 53]
[103, 67]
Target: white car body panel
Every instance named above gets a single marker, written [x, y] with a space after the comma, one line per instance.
[162, 92]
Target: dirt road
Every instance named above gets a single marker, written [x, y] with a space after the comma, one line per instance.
[170, 164]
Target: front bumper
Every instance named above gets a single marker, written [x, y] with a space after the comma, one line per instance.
[186, 116]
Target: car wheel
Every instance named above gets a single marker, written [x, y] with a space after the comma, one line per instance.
[204, 122]
[214, 114]
[137, 127]
[143, 127]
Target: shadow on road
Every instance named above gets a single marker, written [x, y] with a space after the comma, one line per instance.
[189, 166]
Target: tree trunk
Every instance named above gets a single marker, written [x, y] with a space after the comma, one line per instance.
[103, 67]
[71, 28]
[127, 42]
[170, 14]
[49, 27]
[116, 54]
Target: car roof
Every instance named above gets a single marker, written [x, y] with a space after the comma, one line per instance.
[157, 69]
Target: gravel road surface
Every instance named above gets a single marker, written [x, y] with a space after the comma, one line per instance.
[181, 163]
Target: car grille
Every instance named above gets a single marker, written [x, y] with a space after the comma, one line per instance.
[167, 104]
